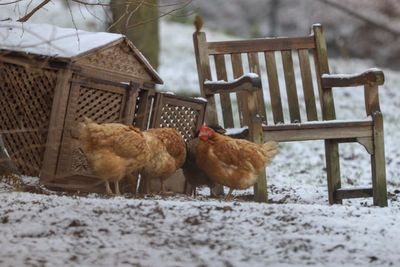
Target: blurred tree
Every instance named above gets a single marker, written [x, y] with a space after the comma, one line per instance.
[273, 17]
[138, 20]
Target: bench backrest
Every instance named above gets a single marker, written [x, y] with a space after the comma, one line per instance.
[255, 55]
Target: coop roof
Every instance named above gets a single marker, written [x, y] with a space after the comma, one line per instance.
[56, 42]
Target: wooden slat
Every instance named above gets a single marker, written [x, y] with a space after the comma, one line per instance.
[144, 106]
[256, 136]
[130, 104]
[287, 133]
[322, 67]
[237, 67]
[226, 104]
[290, 82]
[353, 193]
[254, 67]
[274, 90]
[264, 44]
[204, 72]
[56, 127]
[328, 113]
[308, 87]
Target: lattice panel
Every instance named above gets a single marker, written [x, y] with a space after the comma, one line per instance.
[79, 162]
[26, 97]
[119, 58]
[181, 118]
[99, 105]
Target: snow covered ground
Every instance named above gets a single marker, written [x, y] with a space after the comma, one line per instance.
[299, 228]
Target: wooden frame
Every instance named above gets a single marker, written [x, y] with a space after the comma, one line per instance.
[252, 109]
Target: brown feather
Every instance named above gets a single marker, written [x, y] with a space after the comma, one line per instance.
[233, 162]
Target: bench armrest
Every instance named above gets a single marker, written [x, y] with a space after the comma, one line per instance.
[371, 79]
[371, 76]
[245, 82]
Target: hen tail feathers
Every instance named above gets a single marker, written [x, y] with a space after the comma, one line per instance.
[270, 149]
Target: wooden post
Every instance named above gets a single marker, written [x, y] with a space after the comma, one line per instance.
[256, 135]
[130, 103]
[378, 163]
[144, 105]
[56, 125]
[204, 72]
[328, 113]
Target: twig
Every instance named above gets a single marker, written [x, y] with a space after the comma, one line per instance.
[163, 15]
[89, 4]
[9, 3]
[73, 22]
[30, 14]
[131, 14]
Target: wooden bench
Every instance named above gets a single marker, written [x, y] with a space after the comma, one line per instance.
[253, 109]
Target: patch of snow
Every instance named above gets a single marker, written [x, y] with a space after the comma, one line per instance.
[350, 75]
[49, 40]
[201, 98]
[233, 131]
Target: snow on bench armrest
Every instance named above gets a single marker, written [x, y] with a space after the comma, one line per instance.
[247, 81]
[373, 75]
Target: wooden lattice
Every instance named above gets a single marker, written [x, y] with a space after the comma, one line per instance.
[183, 114]
[101, 106]
[26, 97]
[118, 58]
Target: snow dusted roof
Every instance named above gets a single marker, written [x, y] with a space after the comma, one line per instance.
[49, 40]
[52, 41]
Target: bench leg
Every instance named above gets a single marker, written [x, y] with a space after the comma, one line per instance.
[332, 170]
[378, 163]
[260, 188]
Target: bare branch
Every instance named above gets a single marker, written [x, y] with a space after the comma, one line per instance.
[89, 4]
[73, 21]
[131, 14]
[30, 14]
[9, 3]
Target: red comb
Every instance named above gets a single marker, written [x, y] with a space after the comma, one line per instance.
[203, 127]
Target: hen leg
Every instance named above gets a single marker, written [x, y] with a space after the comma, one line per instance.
[163, 191]
[117, 192]
[229, 195]
[108, 188]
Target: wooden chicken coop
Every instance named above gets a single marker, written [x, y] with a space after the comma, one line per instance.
[52, 77]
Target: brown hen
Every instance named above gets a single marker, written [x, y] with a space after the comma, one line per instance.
[113, 150]
[234, 163]
[167, 154]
